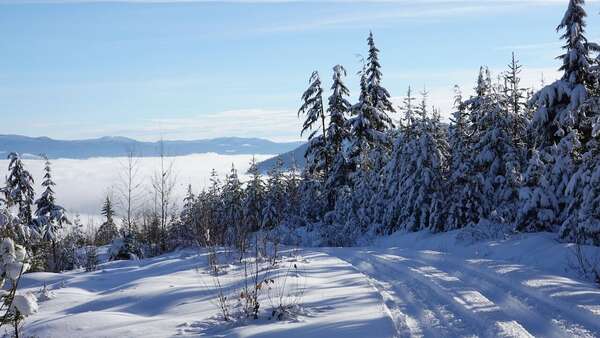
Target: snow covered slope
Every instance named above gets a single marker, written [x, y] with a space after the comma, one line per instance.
[409, 285]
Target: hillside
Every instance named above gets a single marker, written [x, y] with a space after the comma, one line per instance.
[290, 159]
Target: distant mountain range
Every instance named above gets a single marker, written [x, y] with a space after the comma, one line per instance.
[33, 147]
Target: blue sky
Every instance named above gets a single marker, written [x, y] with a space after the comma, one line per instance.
[194, 69]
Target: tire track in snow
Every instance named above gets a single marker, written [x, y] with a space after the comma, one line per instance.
[480, 315]
[507, 307]
[404, 325]
[434, 316]
[491, 307]
[534, 309]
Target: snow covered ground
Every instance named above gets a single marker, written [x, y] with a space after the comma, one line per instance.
[406, 285]
[172, 295]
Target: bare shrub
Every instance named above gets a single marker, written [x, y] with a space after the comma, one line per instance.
[286, 291]
[585, 262]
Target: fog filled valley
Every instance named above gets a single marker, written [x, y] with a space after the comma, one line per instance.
[83, 184]
[392, 218]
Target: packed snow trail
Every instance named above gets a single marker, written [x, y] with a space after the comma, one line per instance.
[433, 294]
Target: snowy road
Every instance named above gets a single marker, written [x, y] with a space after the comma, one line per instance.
[431, 294]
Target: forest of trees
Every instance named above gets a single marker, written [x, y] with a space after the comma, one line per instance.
[529, 160]
[526, 159]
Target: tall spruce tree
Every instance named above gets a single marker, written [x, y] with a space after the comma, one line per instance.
[517, 103]
[558, 103]
[337, 134]
[19, 188]
[558, 120]
[495, 159]
[317, 156]
[370, 125]
[461, 199]
[50, 216]
[380, 97]
[338, 108]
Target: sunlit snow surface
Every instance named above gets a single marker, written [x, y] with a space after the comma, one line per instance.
[405, 285]
[172, 295]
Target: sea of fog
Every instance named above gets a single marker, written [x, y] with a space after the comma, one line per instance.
[82, 185]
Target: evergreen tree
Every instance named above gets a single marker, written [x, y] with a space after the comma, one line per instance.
[108, 230]
[274, 206]
[440, 135]
[474, 189]
[233, 196]
[389, 184]
[312, 202]
[186, 230]
[558, 103]
[461, 199]
[337, 134]
[50, 217]
[495, 159]
[539, 206]
[371, 123]
[19, 188]
[414, 177]
[586, 184]
[370, 144]
[254, 198]
[338, 108]
[317, 157]
[45, 204]
[559, 119]
[292, 192]
[408, 112]
[187, 213]
[380, 97]
[517, 103]
[214, 224]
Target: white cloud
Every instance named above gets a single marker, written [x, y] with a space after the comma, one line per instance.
[273, 124]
